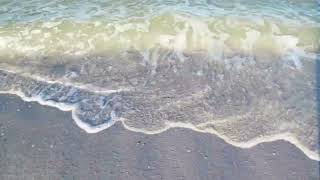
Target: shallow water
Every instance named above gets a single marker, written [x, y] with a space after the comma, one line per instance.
[244, 70]
[41, 28]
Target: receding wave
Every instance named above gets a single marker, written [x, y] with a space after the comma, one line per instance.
[243, 71]
[240, 98]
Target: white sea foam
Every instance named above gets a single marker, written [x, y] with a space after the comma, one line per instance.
[65, 107]
[231, 36]
[289, 137]
[202, 127]
[174, 31]
[64, 82]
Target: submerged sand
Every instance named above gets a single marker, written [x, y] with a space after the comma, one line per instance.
[39, 142]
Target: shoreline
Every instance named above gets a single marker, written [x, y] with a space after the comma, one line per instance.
[41, 142]
[288, 137]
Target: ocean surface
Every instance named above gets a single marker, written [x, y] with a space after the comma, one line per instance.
[244, 70]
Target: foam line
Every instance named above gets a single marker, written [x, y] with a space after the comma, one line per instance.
[95, 129]
[288, 137]
[89, 87]
[64, 107]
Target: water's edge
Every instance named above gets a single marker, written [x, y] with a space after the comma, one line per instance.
[249, 144]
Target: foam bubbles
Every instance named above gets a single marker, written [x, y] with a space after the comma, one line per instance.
[243, 72]
[218, 36]
[243, 100]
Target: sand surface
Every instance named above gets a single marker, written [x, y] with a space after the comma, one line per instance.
[39, 142]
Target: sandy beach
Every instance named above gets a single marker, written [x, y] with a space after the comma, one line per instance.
[39, 142]
[160, 89]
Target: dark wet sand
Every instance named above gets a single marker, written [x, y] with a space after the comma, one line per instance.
[38, 142]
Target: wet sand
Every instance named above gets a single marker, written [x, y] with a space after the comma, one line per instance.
[39, 142]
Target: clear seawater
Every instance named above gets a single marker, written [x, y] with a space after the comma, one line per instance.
[242, 69]
[39, 27]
